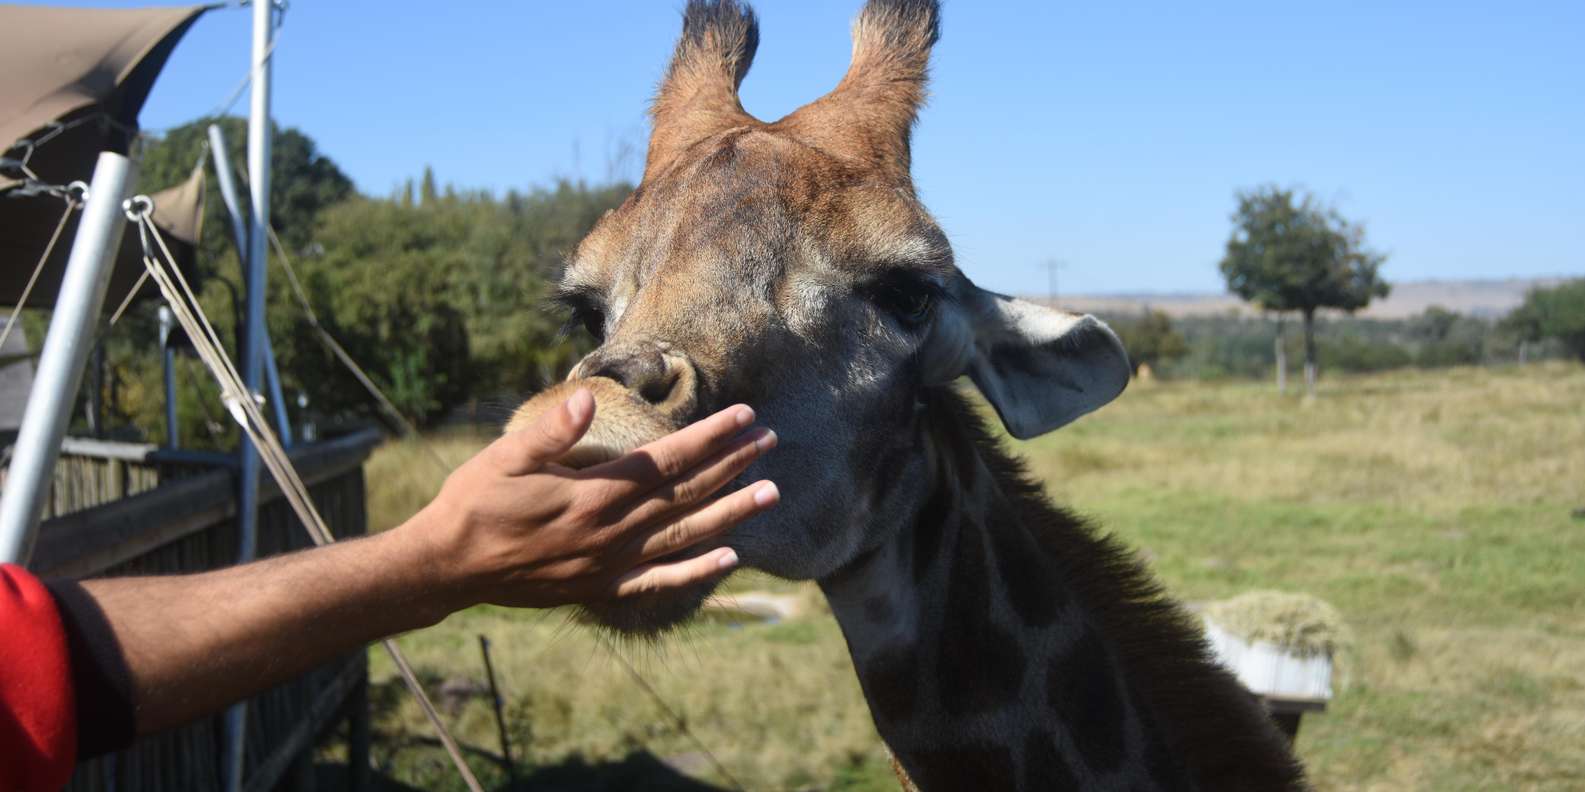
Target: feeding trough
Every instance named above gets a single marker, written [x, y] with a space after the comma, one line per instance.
[1281, 646]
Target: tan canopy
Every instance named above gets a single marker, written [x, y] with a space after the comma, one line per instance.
[72, 81]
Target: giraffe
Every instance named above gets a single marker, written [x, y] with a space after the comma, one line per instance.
[1000, 642]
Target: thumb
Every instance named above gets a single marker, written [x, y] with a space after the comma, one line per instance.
[553, 434]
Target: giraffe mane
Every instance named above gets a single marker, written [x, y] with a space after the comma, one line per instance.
[1160, 644]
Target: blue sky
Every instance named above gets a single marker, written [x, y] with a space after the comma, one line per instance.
[1109, 135]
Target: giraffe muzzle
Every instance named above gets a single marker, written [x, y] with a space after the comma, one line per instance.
[622, 420]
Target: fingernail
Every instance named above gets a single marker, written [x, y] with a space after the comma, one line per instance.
[727, 559]
[745, 416]
[580, 404]
[766, 495]
[766, 441]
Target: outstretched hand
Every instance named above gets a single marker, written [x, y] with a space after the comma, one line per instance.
[512, 527]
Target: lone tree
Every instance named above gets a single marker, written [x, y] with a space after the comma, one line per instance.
[1291, 253]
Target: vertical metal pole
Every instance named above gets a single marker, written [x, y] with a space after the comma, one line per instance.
[94, 405]
[272, 372]
[240, 237]
[168, 355]
[228, 190]
[66, 348]
[358, 737]
[253, 347]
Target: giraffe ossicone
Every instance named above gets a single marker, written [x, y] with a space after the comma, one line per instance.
[1001, 643]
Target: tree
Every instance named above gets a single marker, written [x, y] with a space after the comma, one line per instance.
[1150, 339]
[1290, 253]
[427, 194]
[1555, 312]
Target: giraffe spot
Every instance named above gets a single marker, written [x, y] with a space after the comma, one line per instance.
[973, 768]
[1044, 765]
[878, 609]
[930, 531]
[1035, 597]
[1083, 692]
[963, 458]
[1164, 769]
[890, 681]
[888, 469]
[982, 658]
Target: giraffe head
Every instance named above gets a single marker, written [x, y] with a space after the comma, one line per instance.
[790, 265]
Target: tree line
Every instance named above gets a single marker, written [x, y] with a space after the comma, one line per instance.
[1239, 346]
[440, 294]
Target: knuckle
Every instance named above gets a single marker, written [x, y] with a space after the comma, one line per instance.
[643, 584]
[676, 535]
[588, 504]
[685, 491]
[670, 461]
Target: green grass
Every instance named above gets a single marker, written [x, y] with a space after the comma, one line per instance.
[1431, 508]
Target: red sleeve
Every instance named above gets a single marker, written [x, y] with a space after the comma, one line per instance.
[38, 720]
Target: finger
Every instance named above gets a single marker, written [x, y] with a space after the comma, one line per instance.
[710, 521]
[649, 466]
[701, 482]
[655, 578]
[553, 434]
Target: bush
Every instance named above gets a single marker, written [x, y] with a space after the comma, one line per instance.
[1552, 313]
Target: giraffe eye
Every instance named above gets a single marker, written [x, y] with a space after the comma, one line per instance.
[914, 307]
[909, 299]
[584, 310]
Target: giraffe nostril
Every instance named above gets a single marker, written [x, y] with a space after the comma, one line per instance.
[656, 389]
[644, 374]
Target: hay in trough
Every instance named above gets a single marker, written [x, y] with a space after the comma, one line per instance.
[1298, 623]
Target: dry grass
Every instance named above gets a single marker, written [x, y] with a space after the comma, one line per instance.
[1431, 508]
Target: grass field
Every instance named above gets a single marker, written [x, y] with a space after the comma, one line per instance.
[1432, 508]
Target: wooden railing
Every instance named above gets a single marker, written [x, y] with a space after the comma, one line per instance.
[90, 473]
[189, 525]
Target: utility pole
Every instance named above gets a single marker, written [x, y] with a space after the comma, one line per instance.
[1051, 266]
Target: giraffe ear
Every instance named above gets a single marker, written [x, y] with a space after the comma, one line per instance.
[1041, 368]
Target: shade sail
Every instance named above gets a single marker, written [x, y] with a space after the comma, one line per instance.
[72, 81]
[64, 65]
[29, 221]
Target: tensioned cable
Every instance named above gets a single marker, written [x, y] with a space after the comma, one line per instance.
[445, 467]
[412, 432]
[30, 146]
[246, 411]
[676, 719]
[340, 352]
[22, 301]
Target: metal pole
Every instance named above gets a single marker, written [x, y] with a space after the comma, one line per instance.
[500, 720]
[168, 355]
[66, 347]
[228, 190]
[272, 372]
[253, 348]
[240, 238]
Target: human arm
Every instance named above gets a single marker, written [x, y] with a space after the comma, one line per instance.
[508, 527]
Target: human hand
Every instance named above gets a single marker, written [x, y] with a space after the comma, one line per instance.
[512, 527]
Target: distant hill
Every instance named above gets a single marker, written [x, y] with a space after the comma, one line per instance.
[1483, 298]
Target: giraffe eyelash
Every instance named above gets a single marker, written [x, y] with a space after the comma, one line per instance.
[584, 308]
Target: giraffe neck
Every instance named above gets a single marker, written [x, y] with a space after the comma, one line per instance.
[1002, 644]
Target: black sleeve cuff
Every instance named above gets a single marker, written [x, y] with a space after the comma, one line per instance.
[100, 676]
